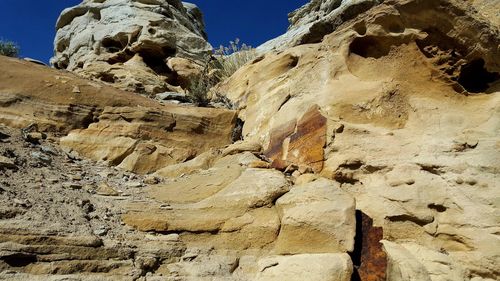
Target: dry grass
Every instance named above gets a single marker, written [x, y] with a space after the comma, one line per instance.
[218, 67]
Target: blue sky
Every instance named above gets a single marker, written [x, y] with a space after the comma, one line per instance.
[31, 23]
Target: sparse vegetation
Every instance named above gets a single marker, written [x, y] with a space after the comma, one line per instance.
[9, 48]
[219, 66]
[230, 59]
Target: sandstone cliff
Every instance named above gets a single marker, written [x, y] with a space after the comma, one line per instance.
[370, 151]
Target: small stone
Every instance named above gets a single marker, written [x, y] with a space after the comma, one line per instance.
[101, 231]
[172, 96]
[76, 90]
[48, 150]
[105, 190]
[305, 169]
[151, 180]
[42, 158]
[6, 163]
[471, 182]
[53, 180]
[134, 184]
[165, 207]
[459, 180]
[76, 177]
[105, 174]
[35, 137]
[4, 135]
[72, 185]
[22, 203]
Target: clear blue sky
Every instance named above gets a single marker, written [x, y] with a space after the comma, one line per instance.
[31, 23]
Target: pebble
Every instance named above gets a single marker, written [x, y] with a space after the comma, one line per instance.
[133, 184]
[105, 190]
[471, 182]
[72, 185]
[22, 203]
[53, 180]
[48, 150]
[35, 137]
[76, 177]
[101, 231]
[151, 180]
[41, 157]
[7, 163]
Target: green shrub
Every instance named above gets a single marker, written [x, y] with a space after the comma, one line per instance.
[8, 48]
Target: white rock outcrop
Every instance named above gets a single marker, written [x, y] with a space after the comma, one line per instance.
[314, 20]
[129, 42]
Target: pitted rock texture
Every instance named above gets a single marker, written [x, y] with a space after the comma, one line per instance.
[310, 23]
[128, 43]
[409, 90]
[394, 114]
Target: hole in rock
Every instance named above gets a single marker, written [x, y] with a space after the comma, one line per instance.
[360, 28]
[19, 260]
[96, 14]
[294, 61]
[439, 208]
[121, 57]
[368, 257]
[155, 59]
[374, 46]
[112, 45]
[237, 133]
[475, 78]
[107, 77]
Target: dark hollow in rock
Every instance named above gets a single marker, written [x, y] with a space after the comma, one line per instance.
[368, 257]
[475, 78]
[19, 259]
[375, 46]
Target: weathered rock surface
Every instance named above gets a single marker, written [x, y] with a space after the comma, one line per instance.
[409, 91]
[390, 108]
[324, 267]
[144, 140]
[128, 43]
[317, 217]
[117, 127]
[310, 23]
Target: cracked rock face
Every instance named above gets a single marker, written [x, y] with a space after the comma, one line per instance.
[128, 42]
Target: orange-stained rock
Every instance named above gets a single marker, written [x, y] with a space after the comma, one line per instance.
[370, 256]
[299, 143]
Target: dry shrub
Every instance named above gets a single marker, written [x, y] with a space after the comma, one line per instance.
[217, 67]
[8, 48]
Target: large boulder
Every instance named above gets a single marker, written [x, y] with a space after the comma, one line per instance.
[128, 42]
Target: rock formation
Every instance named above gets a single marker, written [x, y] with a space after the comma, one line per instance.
[369, 151]
[399, 86]
[129, 43]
